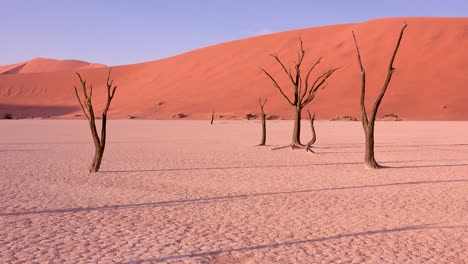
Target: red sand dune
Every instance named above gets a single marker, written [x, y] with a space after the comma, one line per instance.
[430, 82]
[47, 65]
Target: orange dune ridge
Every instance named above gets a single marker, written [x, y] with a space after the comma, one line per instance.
[430, 81]
[47, 65]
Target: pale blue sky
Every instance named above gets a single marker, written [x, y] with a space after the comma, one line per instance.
[116, 32]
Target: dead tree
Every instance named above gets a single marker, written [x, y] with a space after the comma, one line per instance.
[212, 117]
[314, 136]
[262, 113]
[304, 90]
[368, 121]
[88, 110]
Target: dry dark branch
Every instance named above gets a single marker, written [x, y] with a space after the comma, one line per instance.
[277, 86]
[314, 136]
[363, 84]
[304, 93]
[262, 113]
[88, 110]
[368, 120]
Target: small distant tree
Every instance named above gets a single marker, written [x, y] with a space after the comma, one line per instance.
[88, 110]
[262, 113]
[212, 117]
[314, 136]
[368, 121]
[304, 90]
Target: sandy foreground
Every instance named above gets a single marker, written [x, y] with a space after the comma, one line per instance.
[190, 192]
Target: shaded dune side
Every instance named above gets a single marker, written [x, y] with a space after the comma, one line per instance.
[11, 68]
[429, 83]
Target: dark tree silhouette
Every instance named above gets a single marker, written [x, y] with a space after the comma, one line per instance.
[304, 90]
[314, 136]
[88, 110]
[262, 113]
[212, 117]
[368, 121]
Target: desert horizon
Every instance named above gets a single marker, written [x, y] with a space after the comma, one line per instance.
[197, 82]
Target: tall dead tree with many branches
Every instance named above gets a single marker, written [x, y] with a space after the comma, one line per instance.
[368, 121]
[262, 113]
[88, 110]
[304, 89]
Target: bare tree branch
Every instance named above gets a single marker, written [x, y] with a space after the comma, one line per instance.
[81, 104]
[303, 93]
[88, 110]
[308, 75]
[262, 104]
[364, 118]
[277, 86]
[390, 71]
[317, 85]
[288, 72]
[314, 136]
[368, 122]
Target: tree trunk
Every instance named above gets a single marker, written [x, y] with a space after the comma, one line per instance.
[88, 110]
[100, 145]
[93, 163]
[369, 158]
[97, 143]
[296, 136]
[304, 92]
[96, 163]
[368, 122]
[263, 130]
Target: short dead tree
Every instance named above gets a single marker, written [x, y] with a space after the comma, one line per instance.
[262, 113]
[88, 110]
[368, 121]
[304, 90]
[314, 135]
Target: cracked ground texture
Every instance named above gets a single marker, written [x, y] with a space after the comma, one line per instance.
[190, 192]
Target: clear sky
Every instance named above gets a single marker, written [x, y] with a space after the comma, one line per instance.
[116, 32]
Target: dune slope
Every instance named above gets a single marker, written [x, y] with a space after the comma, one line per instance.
[430, 82]
[47, 65]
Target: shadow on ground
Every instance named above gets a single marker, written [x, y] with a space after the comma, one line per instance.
[222, 198]
[297, 242]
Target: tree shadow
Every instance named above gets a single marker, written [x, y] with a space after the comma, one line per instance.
[379, 147]
[362, 152]
[428, 166]
[222, 198]
[64, 142]
[229, 167]
[287, 166]
[423, 145]
[21, 150]
[32, 111]
[389, 144]
[299, 242]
